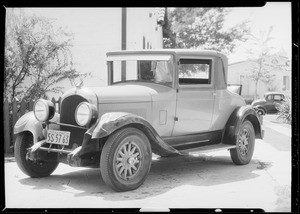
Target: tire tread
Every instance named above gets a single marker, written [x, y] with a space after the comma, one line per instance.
[108, 151]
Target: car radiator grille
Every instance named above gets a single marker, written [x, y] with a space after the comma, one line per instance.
[67, 115]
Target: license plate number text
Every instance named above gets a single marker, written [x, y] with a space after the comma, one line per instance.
[58, 137]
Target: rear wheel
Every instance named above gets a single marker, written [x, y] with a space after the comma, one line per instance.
[34, 169]
[126, 159]
[245, 142]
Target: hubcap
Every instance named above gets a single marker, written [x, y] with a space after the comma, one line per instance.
[243, 142]
[127, 160]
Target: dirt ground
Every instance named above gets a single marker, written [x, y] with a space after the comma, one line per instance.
[208, 180]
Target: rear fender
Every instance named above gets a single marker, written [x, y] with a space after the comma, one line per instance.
[111, 122]
[28, 122]
[238, 116]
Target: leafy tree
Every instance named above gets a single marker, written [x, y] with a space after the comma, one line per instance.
[37, 56]
[202, 28]
[260, 52]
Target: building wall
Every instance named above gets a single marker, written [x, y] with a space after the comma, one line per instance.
[238, 74]
[99, 30]
[143, 32]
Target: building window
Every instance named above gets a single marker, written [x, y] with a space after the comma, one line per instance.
[144, 42]
[286, 83]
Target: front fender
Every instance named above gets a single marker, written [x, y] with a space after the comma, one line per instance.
[260, 106]
[28, 122]
[235, 121]
[111, 122]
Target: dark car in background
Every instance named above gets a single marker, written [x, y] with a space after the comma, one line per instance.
[268, 104]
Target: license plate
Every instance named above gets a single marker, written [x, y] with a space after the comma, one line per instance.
[58, 137]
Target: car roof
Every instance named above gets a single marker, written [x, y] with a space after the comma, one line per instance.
[168, 51]
[273, 92]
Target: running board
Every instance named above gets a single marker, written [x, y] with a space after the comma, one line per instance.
[209, 148]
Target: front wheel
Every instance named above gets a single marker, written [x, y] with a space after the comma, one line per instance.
[245, 142]
[126, 159]
[261, 111]
[34, 169]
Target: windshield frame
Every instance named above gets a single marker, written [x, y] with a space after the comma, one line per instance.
[140, 57]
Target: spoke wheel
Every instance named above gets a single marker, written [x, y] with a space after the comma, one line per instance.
[34, 169]
[128, 160]
[125, 159]
[245, 142]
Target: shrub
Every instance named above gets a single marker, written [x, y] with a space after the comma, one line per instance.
[284, 111]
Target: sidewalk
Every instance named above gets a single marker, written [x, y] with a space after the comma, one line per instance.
[277, 148]
[271, 121]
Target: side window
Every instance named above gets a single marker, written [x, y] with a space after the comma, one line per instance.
[269, 97]
[277, 97]
[194, 71]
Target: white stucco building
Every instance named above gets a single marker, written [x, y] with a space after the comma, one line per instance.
[113, 29]
[99, 30]
[277, 64]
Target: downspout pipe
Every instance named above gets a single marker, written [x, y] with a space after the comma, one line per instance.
[123, 40]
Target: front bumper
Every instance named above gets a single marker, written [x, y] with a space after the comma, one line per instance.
[43, 151]
[38, 152]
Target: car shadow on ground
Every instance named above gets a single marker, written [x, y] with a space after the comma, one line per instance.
[165, 175]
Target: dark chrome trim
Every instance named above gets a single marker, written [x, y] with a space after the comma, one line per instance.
[64, 124]
[55, 150]
[192, 138]
[191, 141]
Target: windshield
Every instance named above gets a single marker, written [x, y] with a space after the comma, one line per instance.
[141, 69]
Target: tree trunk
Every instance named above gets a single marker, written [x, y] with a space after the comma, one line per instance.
[256, 89]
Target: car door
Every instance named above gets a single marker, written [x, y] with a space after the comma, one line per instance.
[195, 97]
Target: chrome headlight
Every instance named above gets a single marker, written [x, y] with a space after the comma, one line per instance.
[43, 110]
[85, 113]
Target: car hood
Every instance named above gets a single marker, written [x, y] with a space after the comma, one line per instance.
[259, 101]
[123, 94]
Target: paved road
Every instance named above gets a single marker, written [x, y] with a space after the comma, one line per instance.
[198, 181]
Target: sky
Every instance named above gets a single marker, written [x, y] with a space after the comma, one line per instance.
[276, 14]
